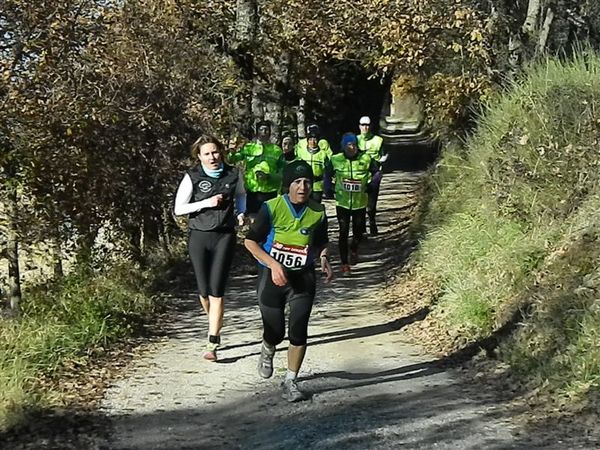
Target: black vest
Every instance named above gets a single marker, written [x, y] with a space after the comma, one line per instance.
[220, 218]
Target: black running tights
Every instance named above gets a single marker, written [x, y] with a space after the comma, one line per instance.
[299, 293]
[358, 228]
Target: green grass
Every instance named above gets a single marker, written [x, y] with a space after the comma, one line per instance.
[483, 261]
[69, 320]
[514, 221]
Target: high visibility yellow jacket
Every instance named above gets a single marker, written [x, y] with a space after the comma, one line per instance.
[317, 160]
[371, 144]
[264, 158]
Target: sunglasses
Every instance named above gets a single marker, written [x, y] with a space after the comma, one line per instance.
[364, 124]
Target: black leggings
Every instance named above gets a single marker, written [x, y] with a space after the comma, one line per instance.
[299, 292]
[211, 253]
[373, 196]
[358, 228]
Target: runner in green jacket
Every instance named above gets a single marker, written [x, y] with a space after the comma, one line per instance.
[316, 152]
[288, 147]
[373, 146]
[352, 170]
[263, 163]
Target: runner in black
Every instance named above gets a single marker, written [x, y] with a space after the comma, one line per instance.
[213, 195]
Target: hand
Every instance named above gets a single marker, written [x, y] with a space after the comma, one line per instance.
[383, 158]
[326, 269]
[214, 201]
[241, 219]
[235, 144]
[278, 275]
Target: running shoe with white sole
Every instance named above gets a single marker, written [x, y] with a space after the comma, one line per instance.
[291, 392]
[265, 362]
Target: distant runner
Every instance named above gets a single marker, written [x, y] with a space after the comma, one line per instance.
[212, 193]
[352, 170]
[263, 162]
[373, 146]
[287, 145]
[290, 231]
[316, 152]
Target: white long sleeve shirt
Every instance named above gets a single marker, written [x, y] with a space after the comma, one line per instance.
[185, 192]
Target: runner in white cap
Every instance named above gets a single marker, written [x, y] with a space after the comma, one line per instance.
[373, 146]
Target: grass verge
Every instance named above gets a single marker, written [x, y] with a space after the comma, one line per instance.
[514, 224]
[70, 320]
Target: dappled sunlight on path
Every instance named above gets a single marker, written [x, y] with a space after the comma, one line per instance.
[368, 387]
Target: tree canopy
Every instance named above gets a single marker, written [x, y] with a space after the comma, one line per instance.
[101, 99]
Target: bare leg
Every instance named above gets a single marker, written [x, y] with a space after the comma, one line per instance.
[215, 315]
[290, 389]
[205, 304]
[295, 357]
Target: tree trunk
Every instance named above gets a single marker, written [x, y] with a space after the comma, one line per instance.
[544, 32]
[274, 107]
[258, 106]
[533, 10]
[301, 117]
[246, 17]
[515, 55]
[85, 246]
[245, 31]
[57, 266]
[165, 230]
[14, 278]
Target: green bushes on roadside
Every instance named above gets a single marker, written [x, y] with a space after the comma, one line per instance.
[514, 222]
[71, 319]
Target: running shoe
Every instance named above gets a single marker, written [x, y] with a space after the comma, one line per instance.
[291, 392]
[210, 353]
[265, 362]
[345, 269]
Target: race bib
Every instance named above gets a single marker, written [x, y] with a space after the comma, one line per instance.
[352, 185]
[290, 256]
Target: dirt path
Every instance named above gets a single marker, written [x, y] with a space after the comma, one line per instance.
[369, 388]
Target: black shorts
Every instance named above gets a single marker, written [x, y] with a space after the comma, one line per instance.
[254, 200]
[211, 253]
[299, 293]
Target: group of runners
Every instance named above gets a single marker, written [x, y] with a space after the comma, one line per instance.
[278, 190]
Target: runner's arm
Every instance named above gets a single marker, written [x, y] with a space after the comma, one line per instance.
[320, 241]
[375, 169]
[240, 199]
